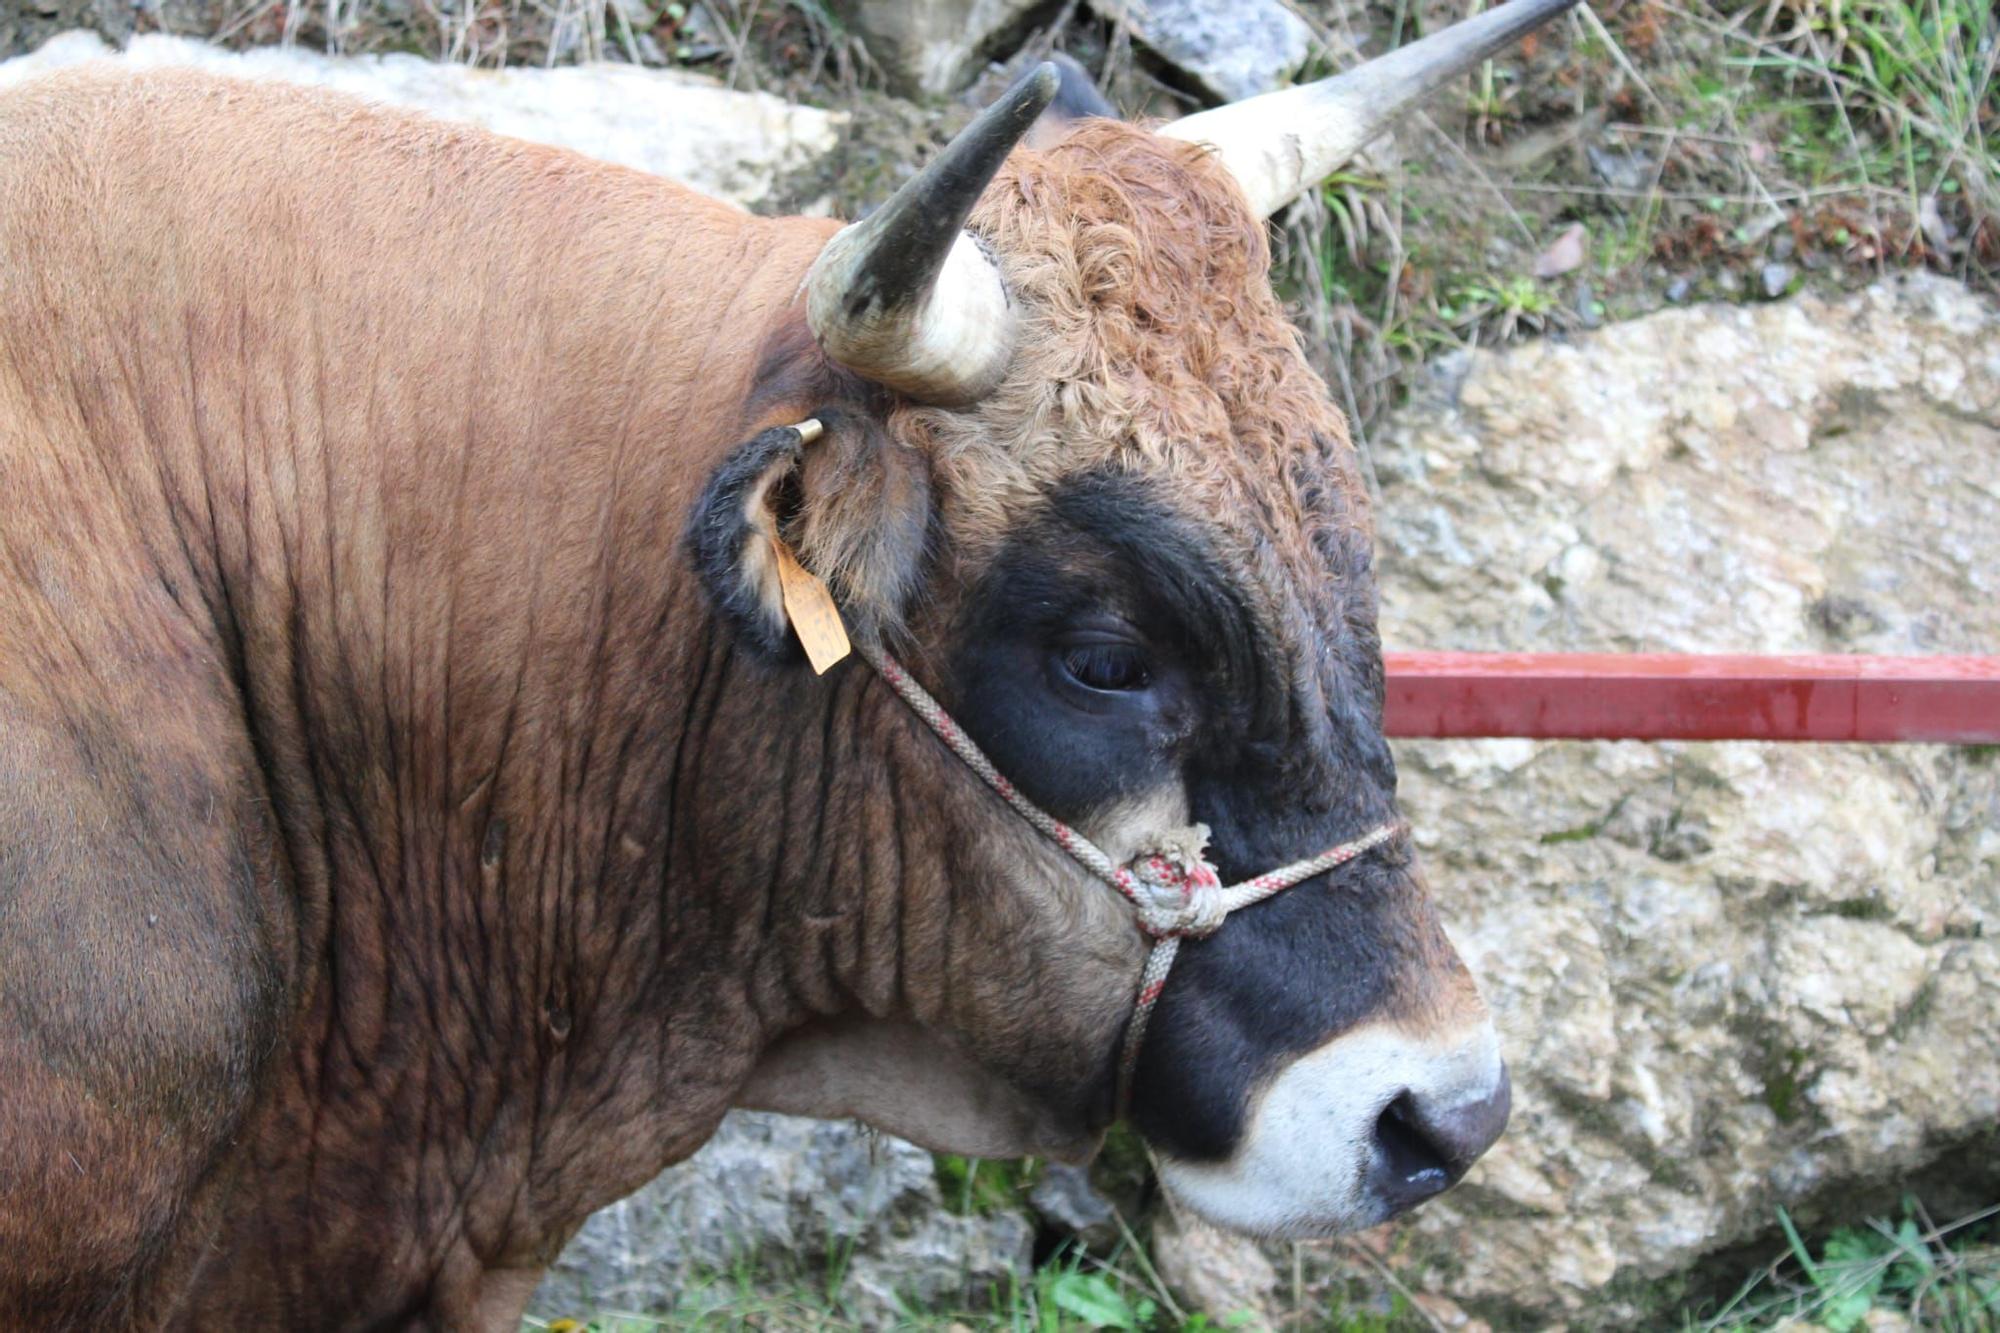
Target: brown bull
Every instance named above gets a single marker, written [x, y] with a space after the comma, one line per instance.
[417, 827]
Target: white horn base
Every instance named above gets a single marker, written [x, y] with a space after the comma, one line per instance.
[951, 349]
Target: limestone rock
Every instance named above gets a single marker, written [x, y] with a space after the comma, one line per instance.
[732, 145]
[1232, 48]
[1728, 977]
[784, 1201]
[1227, 1277]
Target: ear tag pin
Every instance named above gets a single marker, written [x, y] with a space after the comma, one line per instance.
[808, 604]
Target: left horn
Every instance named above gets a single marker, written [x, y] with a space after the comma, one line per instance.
[906, 298]
[1282, 144]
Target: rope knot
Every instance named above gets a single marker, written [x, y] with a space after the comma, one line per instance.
[1179, 893]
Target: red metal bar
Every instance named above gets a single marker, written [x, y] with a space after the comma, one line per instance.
[1687, 696]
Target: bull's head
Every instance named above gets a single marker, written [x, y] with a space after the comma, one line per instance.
[1080, 474]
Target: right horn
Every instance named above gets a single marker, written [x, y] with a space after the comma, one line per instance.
[1281, 144]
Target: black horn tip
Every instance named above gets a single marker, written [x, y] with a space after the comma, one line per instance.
[1030, 95]
[938, 199]
[1043, 80]
[892, 261]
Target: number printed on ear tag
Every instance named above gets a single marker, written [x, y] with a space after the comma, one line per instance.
[810, 608]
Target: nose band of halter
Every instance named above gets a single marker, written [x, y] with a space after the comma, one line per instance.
[1175, 893]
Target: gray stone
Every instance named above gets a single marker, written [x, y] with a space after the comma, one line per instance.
[1232, 48]
[1776, 278]
[1065, 1199]
[732, 145]
[1589, 310]
[1630, 170]
[930, 48]
[782, 1202]
[1728, 977]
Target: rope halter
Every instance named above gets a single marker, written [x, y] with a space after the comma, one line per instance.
[1174, 891]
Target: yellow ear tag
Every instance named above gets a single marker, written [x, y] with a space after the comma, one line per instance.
[808, 604]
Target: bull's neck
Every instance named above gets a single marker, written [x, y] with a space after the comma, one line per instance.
[435, 510]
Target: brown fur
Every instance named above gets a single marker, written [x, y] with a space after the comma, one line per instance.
[1151, 339]
[1151, 342]
[346, 457]
[397, 861]
[1154, 344]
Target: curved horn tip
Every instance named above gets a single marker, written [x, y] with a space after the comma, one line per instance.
[1029, 96]
[1280, 144]
[1046, 81]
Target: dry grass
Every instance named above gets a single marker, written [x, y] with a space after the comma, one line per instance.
[1731, 150]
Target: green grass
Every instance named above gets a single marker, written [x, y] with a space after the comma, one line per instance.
[1078, 1288]
[1905, 91]
[1943, 1278]
[1940, 1279]
[1070, 1294]
[972, 1186]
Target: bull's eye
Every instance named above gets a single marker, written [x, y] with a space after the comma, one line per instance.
[1106, 667]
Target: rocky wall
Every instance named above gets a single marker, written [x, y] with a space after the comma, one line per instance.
[1729, 976]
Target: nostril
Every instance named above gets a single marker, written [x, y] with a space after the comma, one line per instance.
[1422, 1150]
[1408, 1168]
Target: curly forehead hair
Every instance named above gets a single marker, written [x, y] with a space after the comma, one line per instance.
[1150, 342]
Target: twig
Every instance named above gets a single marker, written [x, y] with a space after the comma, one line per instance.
[1467, 161]
[1618, 56]
[626, 38]
[1384, 1272]
[242, 19]
[739, 40]
[1146, 1266]
[1044, 41]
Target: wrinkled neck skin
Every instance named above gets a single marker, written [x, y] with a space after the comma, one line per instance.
[568, 862]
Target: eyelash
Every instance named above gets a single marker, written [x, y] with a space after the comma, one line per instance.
[1108, 668]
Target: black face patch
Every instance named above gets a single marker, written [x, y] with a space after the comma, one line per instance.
[1280, 760]
[1103, 571]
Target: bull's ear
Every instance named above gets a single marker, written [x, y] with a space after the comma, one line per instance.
[855, 505]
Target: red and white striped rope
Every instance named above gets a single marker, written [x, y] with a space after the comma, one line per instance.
[1175, 895]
